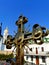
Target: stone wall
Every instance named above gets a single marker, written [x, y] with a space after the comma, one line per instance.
[5, 52]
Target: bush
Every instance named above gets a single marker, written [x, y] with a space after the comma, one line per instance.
[4, 57]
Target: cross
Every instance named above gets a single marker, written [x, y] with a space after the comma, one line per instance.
[21, 39]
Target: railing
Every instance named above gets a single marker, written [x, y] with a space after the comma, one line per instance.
[39, 54]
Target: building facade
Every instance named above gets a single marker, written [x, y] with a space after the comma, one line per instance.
[1, 38]
[39, 54]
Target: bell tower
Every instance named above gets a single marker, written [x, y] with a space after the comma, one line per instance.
[0, 28]
[1, 37]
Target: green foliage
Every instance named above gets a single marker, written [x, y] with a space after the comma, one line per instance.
[30, 41]
[4, 57]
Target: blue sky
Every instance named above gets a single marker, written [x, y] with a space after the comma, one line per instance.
[37, 11]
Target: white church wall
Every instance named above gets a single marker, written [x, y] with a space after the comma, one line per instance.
[47, 61]
[39, 47]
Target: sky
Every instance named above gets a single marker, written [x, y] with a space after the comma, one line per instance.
[37, 11]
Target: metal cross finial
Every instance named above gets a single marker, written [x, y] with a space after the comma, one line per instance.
[21, 39]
